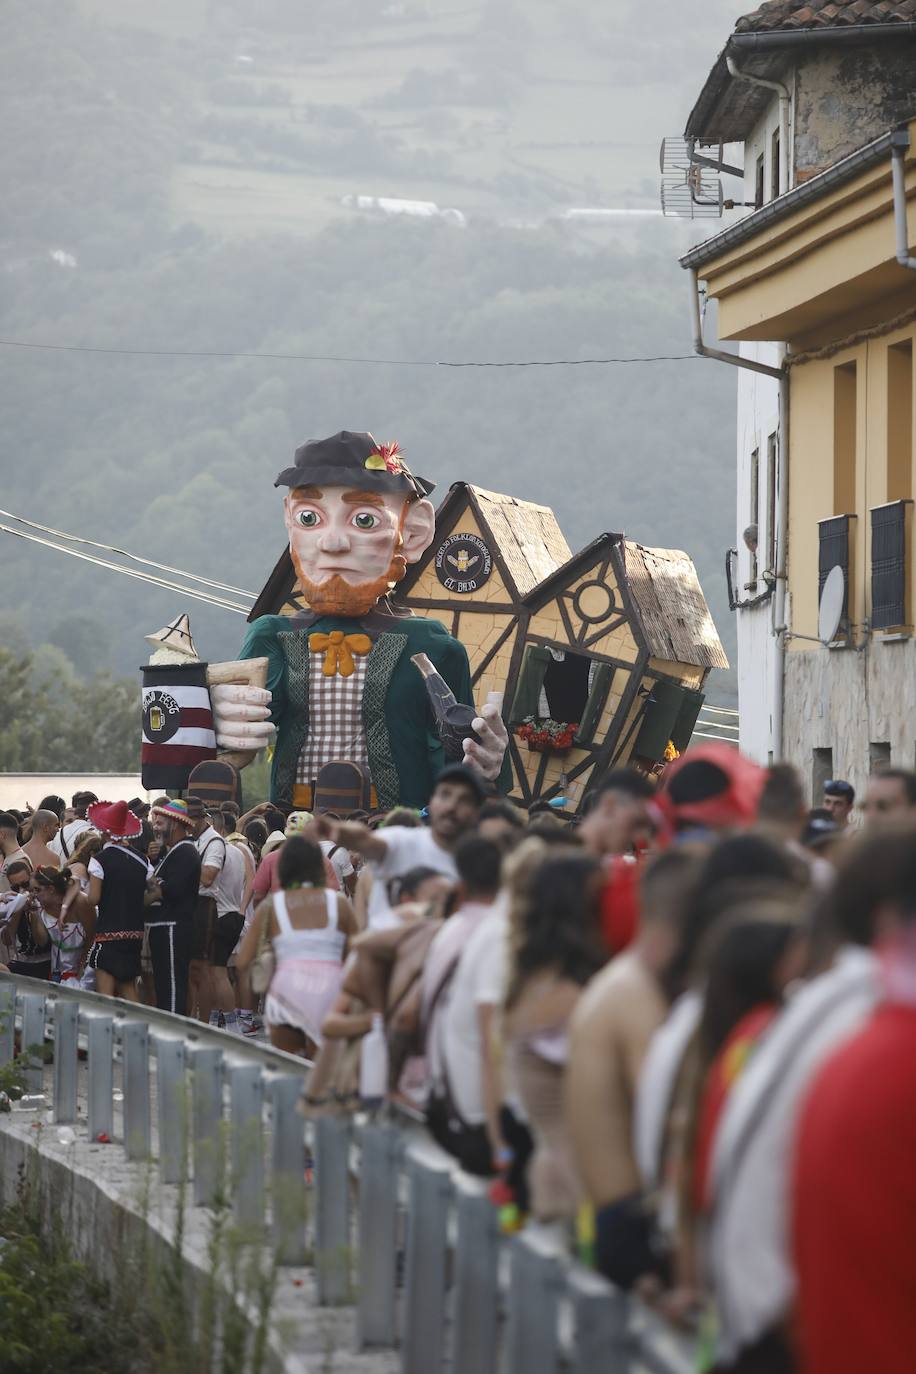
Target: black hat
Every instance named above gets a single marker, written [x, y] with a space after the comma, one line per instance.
[463, 772]
[839, 787]
[348, 459]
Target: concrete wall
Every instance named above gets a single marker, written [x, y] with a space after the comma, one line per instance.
[845, 97]
[849, 701]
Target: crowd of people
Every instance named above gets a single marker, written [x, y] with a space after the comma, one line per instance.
[674, 1033]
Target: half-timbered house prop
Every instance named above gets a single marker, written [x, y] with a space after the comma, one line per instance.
[601, 656]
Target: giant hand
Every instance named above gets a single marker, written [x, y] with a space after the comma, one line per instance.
[240, 716]
[486, 753]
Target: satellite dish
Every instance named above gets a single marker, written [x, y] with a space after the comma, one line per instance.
[831, 608]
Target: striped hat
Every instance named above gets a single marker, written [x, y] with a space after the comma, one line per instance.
[175, 810]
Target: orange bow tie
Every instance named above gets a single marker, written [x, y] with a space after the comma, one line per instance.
[338, 650]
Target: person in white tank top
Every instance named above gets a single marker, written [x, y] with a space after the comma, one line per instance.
[310, 930]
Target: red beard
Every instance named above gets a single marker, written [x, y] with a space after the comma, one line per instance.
[334, 596]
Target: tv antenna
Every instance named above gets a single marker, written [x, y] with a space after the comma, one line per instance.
[691, 185]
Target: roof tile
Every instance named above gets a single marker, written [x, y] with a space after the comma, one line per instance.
[824, 14]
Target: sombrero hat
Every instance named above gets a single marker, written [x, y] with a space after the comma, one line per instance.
[115, 819]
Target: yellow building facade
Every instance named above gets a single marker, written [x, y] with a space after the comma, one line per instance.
[821, 271]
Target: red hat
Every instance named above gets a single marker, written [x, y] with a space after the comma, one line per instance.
[115, 819]
[711, 785]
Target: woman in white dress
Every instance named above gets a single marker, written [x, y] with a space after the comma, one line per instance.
[310, 929]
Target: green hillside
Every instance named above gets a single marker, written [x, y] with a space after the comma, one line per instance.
[113, 131]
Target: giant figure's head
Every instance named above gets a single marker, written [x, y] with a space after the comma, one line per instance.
[356, 516]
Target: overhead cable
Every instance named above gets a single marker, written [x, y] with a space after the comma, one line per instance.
[365, 362]
[123, 553]
[207, 597]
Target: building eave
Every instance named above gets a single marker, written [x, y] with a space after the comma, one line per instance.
[719, 116]
[785, 205]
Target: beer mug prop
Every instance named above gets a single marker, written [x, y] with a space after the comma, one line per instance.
[177, 724]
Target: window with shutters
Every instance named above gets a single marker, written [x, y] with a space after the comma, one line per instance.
[527, 699]
[774, 165]
[759, 182]
[772, 477]
[563, 686]
[834, 542]
[755, 518]
[889, 565]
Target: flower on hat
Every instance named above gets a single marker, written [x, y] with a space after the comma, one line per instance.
[386, 458]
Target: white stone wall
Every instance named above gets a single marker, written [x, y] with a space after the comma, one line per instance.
[758, 418]
[758, 415]
[847, 700]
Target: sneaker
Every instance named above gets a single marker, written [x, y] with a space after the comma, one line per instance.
[231, 1023]
[216, 1019]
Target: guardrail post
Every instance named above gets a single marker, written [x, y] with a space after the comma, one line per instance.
[476, 1320]
[246, 1089]
[534, 1290]
[600, 1320]
[135, 1060]
[33, 1034]
[288, 1171]
[101, 1076]
[171, 1092]
[207, 1102]
[426, 1268]
[332, 1209]
[66, 1024]
[7, 1022]
[378, 1236]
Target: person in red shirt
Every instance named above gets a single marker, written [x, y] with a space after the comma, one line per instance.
[267, 880]
[618, 822]
[854, 1183]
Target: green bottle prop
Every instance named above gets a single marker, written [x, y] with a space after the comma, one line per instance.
[453, 721]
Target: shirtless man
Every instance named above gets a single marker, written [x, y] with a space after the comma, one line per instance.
[37, 850]
[616, 1017]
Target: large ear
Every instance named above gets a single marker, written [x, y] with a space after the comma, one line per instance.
[418, 530]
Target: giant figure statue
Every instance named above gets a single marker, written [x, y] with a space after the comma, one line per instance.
[341, 686]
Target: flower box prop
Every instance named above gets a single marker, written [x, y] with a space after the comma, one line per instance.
[547, 736]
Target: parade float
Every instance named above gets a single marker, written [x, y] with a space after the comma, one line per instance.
[577, 663]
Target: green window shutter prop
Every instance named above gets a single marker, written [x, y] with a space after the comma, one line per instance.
[602, 678]
[662, 711]
[687, 719]
[530, 681]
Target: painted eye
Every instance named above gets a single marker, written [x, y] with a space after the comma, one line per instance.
[365, 520]
[308, 518]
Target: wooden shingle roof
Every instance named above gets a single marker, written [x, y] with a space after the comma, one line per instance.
[527, 535]
[675, 618]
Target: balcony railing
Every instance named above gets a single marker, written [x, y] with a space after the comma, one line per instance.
[890, 529]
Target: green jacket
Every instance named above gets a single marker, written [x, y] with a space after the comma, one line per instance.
[405, 754]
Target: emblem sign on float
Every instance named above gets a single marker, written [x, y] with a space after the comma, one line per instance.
[161, 716]
[463, 563]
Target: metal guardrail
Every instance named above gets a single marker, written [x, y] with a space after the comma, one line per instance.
[209, 1097]
[403, 1235]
